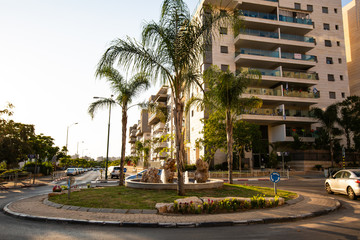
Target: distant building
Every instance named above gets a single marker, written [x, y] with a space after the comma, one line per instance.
[351, 18]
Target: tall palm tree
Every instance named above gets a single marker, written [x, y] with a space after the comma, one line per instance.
[171, 50]
[224, 90]
[125, 93]
[327, 118]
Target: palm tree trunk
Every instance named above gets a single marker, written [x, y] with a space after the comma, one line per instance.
[123, 144]
[229, 137]
[179, 145]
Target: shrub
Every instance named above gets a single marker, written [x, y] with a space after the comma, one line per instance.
[190, 167]
[44, 167]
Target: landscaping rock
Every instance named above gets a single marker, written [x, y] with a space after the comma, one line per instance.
[151, 176]
[169, 169]
[202, 171]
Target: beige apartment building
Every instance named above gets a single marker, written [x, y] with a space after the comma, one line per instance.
[132, 139]
[351, 18]
[299, 48]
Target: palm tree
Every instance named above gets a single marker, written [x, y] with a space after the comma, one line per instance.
[125, 92]
[327, 118]
[224, 90]
[171, 50]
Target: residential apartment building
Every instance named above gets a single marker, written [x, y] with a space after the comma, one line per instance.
[351, 18]
[132, 139]
[143, 132]
[158, 124]
[299, 48]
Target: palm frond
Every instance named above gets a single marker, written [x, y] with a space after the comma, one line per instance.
[100, 104]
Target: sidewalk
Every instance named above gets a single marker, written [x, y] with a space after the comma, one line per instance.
[40, 209]
[39, 181]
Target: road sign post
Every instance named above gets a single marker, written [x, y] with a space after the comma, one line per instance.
[275, 178]
[343, 156]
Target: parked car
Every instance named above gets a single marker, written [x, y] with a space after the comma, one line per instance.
[114, 171]
[346, 181]
[139, 175]
[71, 172]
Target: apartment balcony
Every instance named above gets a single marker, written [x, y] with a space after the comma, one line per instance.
[273, 59]
[250, 38]
[275, 96]
[304, 134]
[276, 116]
[132, 139]
[270, 21]
[159, 127]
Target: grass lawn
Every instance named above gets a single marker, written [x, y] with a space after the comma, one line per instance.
[129, 198]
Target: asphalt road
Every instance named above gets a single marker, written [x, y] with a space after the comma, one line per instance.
[342, 224]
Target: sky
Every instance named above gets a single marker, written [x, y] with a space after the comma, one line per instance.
[49, 50]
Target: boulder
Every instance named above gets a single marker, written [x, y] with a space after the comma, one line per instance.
[202, 171]
[151, 176]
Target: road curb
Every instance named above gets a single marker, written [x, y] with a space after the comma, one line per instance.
[9, 212]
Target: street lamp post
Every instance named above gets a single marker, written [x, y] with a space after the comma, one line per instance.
[108, 139]
[67, 135]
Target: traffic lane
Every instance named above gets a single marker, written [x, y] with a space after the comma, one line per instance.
[82, 179]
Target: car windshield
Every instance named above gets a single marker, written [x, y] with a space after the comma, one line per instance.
[357, 173]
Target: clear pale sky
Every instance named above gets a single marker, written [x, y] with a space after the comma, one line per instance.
[48, 54]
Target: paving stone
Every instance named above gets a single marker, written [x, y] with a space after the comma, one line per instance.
[120, 211]
[66, 207]
[94, 210]
[135, 211]
[106, 210]
[83, 209]
[149, 211]
[74, 208]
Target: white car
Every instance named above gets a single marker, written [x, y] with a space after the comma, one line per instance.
[345, 181]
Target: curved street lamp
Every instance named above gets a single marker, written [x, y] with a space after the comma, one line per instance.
[67, 135]
[108, 137]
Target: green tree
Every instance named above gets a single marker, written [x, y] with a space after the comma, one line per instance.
[14, 139]
[350, 120]
[224, 90]
[125, 92]
[44, 147]
[171, 50]
[327, 119]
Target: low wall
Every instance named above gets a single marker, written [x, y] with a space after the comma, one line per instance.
[307, 165]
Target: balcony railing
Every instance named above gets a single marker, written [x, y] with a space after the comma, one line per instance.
[260, 33]
[300, 132]
[301, 75]
[298, 56]
[295, 20]
[270, 16]
[264, 91]
[272, 0]
[297, 113]
[301, 94]
[292, 37]
[258, 52]
[265, 111]
[265, 72]
[297, 38]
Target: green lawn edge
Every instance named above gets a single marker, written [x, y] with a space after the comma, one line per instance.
[129, 198]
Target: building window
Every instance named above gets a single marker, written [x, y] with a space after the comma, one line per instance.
[224, 49]
[224, 67]
[309, 8]
[329, 60]
[223, 30]
[341, 77]
[297, 6]
[326, 26]
[192, 113]
[335, 10]
[325, 10]
[338, 43]
[331, 77]
[332, 95]
[343, 95]
[336, 27]
[327, 43]
[340, 60]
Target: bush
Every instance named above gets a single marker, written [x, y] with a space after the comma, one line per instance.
[190, 167]
[45, 168]
[222, 167]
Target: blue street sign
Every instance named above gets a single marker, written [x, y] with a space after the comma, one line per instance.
[275, 177]
[124, 170]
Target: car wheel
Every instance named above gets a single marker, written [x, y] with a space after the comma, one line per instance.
[351, 193]
[328, 188]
